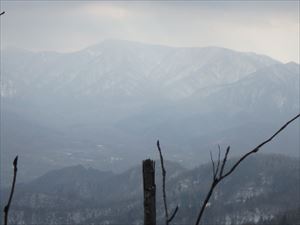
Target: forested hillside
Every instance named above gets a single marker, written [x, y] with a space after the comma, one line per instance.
[264, 189]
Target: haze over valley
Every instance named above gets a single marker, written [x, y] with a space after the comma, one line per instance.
[106, 105]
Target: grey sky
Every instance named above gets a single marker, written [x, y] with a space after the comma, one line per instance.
[270, 27]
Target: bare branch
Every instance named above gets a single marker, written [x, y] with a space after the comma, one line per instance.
[212, 187]
[221, 176]
[6, 208]
[213, 165]
[256, 149]
[164, 182]
[163, 170]
[2, 13]
[224, 161]
[173, 214]
[218, 165]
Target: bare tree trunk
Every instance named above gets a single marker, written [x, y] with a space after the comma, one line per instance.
[149, 192]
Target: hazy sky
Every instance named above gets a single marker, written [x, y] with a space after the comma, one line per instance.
[270, 27]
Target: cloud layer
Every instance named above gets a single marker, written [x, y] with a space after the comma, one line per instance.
[270, 27]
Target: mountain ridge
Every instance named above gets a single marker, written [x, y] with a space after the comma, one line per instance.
[119, 45]
[112, 41]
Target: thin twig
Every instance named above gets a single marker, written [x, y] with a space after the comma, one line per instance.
[6, 208]
[213, 165]
[164, 183]
[218, 165]
[173, 214]
[220, 177]
[163, 170]
[224, 161]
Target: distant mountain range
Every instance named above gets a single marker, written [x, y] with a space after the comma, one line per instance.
[125, 69]
[106, 105]
[263, 190]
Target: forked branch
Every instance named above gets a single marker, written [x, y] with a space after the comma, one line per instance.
[218, 177]
[6, 208]
[163, 170]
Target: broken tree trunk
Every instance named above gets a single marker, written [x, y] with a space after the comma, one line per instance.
[149, 192]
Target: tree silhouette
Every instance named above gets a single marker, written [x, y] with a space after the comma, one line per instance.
[218, 171]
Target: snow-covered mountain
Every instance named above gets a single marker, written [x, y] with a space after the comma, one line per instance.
[123, 95]
[125, 68]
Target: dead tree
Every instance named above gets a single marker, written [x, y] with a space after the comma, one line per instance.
[6, 208]
[163, 171]
[149, 192]
[218, 170]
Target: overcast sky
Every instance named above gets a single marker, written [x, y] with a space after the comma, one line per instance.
[270, 27]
